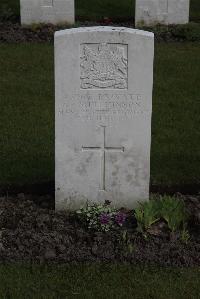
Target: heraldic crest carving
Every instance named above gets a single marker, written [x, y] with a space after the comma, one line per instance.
[104, 66]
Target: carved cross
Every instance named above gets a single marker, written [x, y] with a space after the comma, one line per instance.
[102, 150]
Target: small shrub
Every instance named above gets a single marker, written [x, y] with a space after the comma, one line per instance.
[173, 212]
[101, 217]
[185, 32]
[6, 13]
[147, 214]
[185, 236]
[189, 32]
[169, 209]
[127, 243]
[35, 27]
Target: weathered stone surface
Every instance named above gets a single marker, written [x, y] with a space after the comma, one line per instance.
[152, 12]
[46, 11]
[104, 78]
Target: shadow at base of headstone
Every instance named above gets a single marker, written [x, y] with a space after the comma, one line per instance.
[184, 189]
[49, 188]
[35, 189]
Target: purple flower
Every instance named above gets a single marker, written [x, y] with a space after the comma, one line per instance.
[104, 218]
[120, 218]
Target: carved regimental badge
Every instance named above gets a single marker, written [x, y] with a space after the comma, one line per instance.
[104, 66]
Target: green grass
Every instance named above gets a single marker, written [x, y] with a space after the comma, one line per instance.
[175, 135]
[98, 281]
[195, 10]
[27, 114]
[91, 9]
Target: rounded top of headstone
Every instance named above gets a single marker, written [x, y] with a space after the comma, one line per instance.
[104, 29]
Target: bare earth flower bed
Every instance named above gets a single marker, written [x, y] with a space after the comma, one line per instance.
[30, 230]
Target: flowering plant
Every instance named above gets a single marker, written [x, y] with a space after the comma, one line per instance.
[101, 217]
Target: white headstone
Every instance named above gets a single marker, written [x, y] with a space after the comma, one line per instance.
[46, 11]
[152, 12]
[104, 78]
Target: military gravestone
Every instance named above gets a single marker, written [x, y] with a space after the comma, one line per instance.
[152, 12]
[104, 80]
[46, 11]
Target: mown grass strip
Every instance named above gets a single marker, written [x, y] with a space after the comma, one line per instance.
[98, 281]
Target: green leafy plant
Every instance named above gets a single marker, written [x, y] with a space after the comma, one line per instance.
[147, 214]
[127, 243]
[185, 236]
[101, 217]
[36, 27]
[173, 212]
[169, 209]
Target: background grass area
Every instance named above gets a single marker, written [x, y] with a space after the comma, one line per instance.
[103, 281]
[91, 9]
[175, 156]
[27, 114]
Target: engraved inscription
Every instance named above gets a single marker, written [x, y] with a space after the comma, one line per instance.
[163, 9]
[103, 106]
[102, 150]
[47, 3]
[145, 11]
[104, 66]
[166, 7]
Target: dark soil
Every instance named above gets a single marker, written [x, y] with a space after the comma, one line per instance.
[15, 33]
[31, 231]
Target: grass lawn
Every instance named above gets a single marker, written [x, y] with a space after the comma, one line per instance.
[91, 9]
[105, 281]
[175, 155]
[27, 114]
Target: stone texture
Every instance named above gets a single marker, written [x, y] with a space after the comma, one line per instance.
[46, 11]
[152, 12]
[104, 78]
